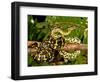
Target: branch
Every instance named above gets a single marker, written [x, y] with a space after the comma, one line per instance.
[75, 46]
[67, 47]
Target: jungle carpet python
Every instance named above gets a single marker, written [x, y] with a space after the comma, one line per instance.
[51, 49]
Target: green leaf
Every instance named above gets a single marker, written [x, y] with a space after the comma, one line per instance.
[30, 60]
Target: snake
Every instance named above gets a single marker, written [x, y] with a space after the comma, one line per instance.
[45, 50]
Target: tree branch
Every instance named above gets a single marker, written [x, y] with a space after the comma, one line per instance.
[67, 47]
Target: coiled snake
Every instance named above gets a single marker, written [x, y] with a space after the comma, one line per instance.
[51, 49]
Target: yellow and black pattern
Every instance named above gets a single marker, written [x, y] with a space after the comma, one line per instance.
[46, 50]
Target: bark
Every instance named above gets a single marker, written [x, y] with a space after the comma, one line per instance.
[67, 47]
[75, 46]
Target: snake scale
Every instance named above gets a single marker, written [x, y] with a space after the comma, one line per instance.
[51, 49]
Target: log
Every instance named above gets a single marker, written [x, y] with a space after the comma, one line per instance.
[75, 46]
[67, 47]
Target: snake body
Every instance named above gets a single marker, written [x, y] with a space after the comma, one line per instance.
[46, 50]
